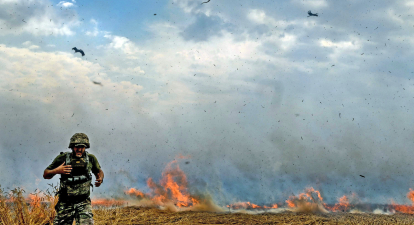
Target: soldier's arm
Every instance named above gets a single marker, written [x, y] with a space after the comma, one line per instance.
[62, 169]
[99, 178]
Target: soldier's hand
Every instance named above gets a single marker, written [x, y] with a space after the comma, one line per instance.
[62, 169]
[98, 181]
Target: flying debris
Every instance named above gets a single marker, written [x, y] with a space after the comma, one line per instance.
[205, 2]
[78, 50]
[362, 176]
[97, 83]
[312, 14]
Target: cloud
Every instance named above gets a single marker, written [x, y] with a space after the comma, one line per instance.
[93, 21]
[95, 30]
[30, 46]
[34, 47]
[49, 77]
[57, 82]
[39, 19]
[203, 28]
[330, 44]
[259, 16]
[311, 4]
[124, 45]
[65, 4]
[26, 43]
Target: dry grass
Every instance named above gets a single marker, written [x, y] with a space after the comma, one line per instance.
[38, 209]
[141, 215]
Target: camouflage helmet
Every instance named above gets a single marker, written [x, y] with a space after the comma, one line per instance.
[79, 139]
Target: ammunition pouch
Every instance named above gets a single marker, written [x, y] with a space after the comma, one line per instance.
[78, 179]
[75, 188]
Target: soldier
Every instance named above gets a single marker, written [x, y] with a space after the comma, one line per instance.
[74, 190]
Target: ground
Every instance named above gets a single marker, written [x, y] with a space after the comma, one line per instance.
[142, 215]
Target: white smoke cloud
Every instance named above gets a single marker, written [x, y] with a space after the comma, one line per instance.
[276, 100]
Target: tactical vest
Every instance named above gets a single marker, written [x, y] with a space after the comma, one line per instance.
[76, 186]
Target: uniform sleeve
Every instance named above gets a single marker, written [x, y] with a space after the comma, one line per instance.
[95, 164]
[56, 162]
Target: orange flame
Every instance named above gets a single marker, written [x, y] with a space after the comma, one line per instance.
[171, 188]
[243, 205]
[135, 192]
[343, 205]
[310, 201]
[34, 200]
[305, 198]
[405, 208]
[410, 195]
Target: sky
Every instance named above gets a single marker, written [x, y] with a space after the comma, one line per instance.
[263, 100]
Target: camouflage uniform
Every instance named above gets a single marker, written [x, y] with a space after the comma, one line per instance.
[74, 197]
[66, 212]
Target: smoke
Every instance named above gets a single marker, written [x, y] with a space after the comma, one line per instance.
[382, 212]
[258, 124]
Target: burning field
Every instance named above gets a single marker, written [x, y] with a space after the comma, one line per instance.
[170, 202]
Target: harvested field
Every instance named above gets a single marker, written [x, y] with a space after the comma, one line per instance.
[142, 215]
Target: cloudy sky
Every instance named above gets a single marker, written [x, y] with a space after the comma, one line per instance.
[264, 100]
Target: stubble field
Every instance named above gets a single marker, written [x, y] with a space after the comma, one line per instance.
[143, 215]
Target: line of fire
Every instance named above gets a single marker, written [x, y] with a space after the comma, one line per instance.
[171, 193]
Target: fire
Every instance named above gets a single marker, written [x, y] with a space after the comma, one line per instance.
[310, 201]
[107, 202]
[410, 195]
[305, 198]
[405, 208]
[343, 205]
[34, 200]
[135, 192]
[243, 205]
[274, 206]
[172, 188]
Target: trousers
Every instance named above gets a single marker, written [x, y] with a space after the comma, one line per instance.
[81, 212]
